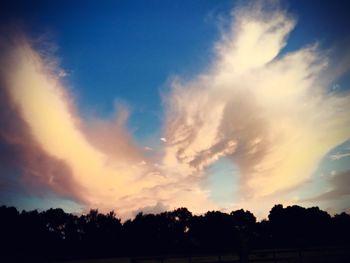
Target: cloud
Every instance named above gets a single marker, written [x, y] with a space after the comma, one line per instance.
[92, 161]
[155, 209]
[20, 154]
[271, 113]
[339, 156]
[339, 187]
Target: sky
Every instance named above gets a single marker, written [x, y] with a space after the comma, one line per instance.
[152, 105]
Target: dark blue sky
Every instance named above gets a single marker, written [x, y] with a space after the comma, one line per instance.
[128, 50]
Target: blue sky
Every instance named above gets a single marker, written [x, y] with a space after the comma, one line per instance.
[129, 52]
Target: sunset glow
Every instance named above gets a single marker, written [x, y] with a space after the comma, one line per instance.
[271, 111]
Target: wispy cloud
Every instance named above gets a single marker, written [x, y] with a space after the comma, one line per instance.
[339, 156]
[339, 188]
[270, 113]
[25, 164]
[95, 162]
[155, 209]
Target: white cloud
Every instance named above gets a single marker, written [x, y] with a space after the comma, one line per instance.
[339, 156]
[275, 110]
[269, 113]
[62, 74]
[153, 209]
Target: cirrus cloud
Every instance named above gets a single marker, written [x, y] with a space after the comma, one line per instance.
[269, 112]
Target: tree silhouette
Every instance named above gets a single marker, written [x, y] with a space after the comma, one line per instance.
[32, 236]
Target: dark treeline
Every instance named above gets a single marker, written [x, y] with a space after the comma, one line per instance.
[56, 235]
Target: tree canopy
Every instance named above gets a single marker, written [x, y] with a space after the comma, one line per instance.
[54, 234]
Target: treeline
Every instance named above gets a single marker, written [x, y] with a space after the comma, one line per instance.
[56, 235]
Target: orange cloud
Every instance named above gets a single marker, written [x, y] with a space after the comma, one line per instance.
[98, 158]
[270, 113]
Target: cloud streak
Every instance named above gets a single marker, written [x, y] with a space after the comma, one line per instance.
[270, 113]
[92, 161]
[339, 188]
[339, 156]
[53, 141]
[21, 155]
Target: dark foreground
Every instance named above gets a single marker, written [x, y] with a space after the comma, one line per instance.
[312, 255]
[56, 236]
